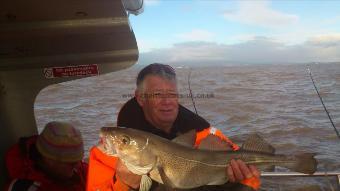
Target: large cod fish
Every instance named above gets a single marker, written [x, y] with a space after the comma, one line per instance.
[180, 166]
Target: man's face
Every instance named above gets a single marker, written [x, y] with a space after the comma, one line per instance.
[159, 101]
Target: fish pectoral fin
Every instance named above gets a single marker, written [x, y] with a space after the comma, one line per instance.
[258, 144]
[164, 178]
[145, 183]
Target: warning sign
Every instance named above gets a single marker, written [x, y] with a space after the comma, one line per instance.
[71, 71]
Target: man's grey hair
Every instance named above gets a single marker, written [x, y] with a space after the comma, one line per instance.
[162, 70]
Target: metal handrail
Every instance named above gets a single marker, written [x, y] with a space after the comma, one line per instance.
[297, 174]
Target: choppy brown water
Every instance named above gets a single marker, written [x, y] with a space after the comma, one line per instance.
[277, 101]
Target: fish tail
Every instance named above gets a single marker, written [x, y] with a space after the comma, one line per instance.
[304, 163]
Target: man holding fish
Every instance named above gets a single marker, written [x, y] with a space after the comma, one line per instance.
[177, 164]
[156, 100]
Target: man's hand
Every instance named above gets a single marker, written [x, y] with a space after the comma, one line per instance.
[237, 171]
[126, 176]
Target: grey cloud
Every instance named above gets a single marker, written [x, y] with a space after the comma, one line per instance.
[260, 50]
[325, 44]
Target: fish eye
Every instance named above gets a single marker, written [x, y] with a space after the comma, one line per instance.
[125, 140]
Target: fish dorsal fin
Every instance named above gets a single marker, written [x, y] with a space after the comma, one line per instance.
[214, 143]
[186, 139]
[257, 143]
[211, 142]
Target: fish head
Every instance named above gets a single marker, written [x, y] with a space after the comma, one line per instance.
[127, 144]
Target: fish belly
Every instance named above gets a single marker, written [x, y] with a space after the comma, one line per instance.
[184, 173]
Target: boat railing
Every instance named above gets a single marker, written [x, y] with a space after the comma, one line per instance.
[296, 174]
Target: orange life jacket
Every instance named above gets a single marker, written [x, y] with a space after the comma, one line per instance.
[101, 173]
[102, 167]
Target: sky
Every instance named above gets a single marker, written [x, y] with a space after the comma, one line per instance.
[225, 32]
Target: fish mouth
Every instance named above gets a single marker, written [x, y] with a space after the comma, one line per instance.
[105, 145]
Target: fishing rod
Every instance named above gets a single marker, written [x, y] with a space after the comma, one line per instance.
[317, 91]
[190, 92]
